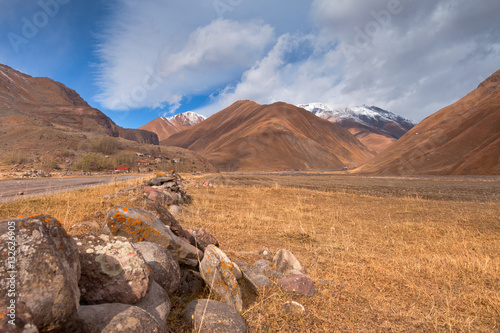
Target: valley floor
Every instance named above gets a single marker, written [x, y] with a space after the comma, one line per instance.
[382, 261]
[387, 254]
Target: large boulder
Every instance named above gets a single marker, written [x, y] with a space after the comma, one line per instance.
[164, 267]
[117, 318]
[157, 303]
[40, 267]
[218, 272]
[207, 316]
[113, 271]
[141, 225]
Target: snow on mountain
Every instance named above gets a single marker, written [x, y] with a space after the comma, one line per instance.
[185, 119]
[368, 115]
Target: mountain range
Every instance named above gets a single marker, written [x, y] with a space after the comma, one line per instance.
[165, 127]
[251, 136]
[374, 127]
[460, 139]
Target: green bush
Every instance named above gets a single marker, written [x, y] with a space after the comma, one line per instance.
[105, 145]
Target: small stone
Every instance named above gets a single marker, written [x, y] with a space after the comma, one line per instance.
[294, 308]
[285, 261]
[298, 284]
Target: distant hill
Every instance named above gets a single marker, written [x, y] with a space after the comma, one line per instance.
[165, 127]
[250, 136]
[45, 104]
[460, 139]
[374, 127]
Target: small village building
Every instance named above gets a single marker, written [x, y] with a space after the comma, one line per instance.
[143, 163]
[122, 169]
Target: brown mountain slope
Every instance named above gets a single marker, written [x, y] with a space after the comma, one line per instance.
[250, 136]
[165, 127]
[460, 139]
[44, 102]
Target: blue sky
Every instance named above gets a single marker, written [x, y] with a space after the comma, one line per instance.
[138, 60]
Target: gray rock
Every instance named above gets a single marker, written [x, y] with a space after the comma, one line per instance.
[156, 303]
[113, 271]
[262, 266]
[164, 267]
[258, 282]
[47, 270]
[207, 316]
[117, 318]
[218, 272]
[298, 284]
[285, 261]
[141, 225]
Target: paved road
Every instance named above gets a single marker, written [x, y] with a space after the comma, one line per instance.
[9, 189]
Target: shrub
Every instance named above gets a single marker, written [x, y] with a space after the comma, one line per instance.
[14, 157]
[93, 162]
[124, 159]
[105, 145]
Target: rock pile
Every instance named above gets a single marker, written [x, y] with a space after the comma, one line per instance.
[33, 173]
[122, 280]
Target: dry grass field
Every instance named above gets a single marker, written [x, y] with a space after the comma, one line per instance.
[381, 263]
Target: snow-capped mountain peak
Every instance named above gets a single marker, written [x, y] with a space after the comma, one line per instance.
[368, 115]
[185, 119]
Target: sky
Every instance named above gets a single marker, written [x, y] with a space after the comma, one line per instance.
[139, 60]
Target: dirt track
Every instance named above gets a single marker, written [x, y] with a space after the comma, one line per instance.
[10, 189]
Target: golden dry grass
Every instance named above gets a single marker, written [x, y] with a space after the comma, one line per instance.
[69, 207]
[395, 264]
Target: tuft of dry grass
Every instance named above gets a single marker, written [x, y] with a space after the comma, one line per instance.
[396, 264]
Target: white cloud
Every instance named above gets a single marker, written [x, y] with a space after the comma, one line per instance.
[406, 56]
